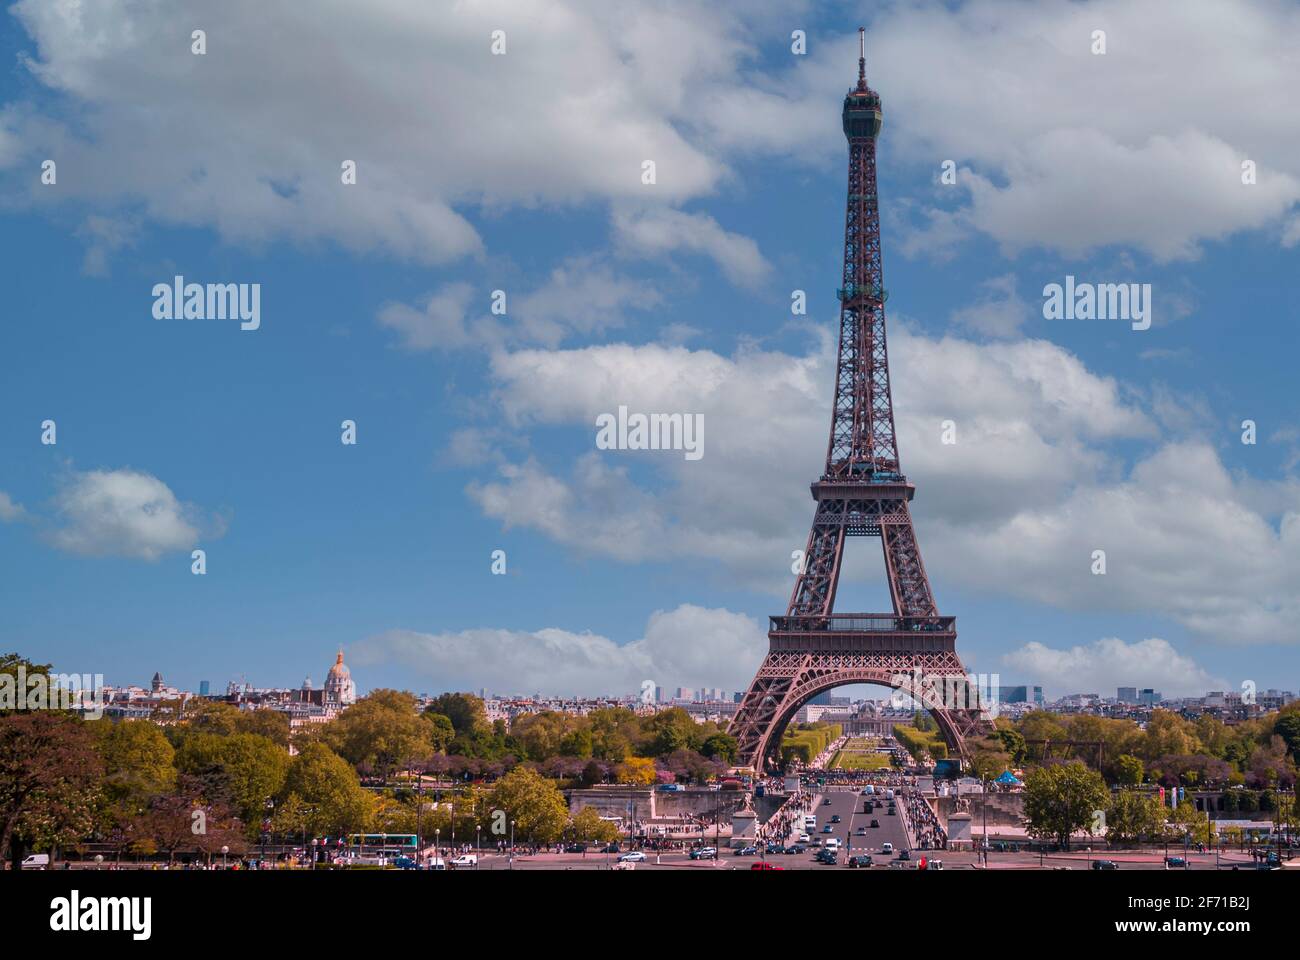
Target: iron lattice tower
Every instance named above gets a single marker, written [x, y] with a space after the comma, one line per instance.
[862, 492]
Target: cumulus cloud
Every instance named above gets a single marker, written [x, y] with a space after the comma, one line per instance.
[124, 513]
[9, 510]
[1057, 147]
[653, 233]
[688, 646]
[581, 296]
[1102, 666]
[1032, 479]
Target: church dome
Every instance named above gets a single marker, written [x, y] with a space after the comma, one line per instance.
[340, 669]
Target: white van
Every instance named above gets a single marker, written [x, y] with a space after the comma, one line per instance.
[810, 821]
[37, 861]
[886, 847]
[833, 843]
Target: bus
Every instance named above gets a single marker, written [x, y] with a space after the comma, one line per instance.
[382, 844]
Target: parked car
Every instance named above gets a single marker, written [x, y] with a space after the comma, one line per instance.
[465, 860]
[632, 856]
[747, 852]
[1105, 865]
[704, 853]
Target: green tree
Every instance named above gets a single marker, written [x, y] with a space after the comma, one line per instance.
[720, 746]
[1062, 798]
[49, 777]
[533, 803]
[1134, 816]
[587, 825]
[327, 788]
[1129, 770]
[464, 710]
[383, 730]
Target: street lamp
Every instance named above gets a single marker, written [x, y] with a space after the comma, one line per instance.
[224, 850]
[511, 859]
[437, 834]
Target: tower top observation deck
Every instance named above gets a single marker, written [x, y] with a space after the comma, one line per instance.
[862, 116]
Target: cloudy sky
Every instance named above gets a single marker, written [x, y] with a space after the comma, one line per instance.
[1166, 160]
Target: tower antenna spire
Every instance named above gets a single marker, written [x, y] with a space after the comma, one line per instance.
[862, 57]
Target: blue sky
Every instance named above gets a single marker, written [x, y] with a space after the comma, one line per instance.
[522, 172]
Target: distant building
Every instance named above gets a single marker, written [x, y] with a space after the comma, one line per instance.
[1020, 694]
[1127, 694]
[1149, 697]
[204, 688]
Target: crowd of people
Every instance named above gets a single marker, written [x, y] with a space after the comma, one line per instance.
[927, 833]
[782, 823]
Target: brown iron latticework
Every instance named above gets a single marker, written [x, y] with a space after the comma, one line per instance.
[863, 492]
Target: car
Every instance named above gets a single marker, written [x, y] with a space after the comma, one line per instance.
[886, 847]
[465, 860]
[747, 852]
[405, 863]
[828, 829]
[704, 853]
[632, 856]
[764, 865]
[611, 847]
[1180, 862]
[623, 865]
[1105, 865]
[835, 819]
[36, 861]
[826, 802]
[828, 857]
[796, 848]
[875, 824]
[776, 848]
[575, 848]
[804, 838]
[904, 855]
[890, 811]
[861, 860]
[860, 832]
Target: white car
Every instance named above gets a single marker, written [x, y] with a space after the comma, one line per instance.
[465, 860]
[886, 847]
[634, 856]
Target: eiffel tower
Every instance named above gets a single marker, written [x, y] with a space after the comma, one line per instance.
[863, 492]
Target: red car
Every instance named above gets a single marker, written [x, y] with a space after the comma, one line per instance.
[764, 865]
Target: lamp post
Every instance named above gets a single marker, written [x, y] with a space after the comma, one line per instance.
[437, 844]
[224, 850]
[511, 860]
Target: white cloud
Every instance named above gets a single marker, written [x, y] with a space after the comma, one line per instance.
[1001, 312]
[652, 233]
[1057, 147]
[581, 296]
[1102, 666]
[1015, 507]
[10, 510]
[687, 646]
[122, 513]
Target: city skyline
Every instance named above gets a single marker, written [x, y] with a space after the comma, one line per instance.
[477, 431]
